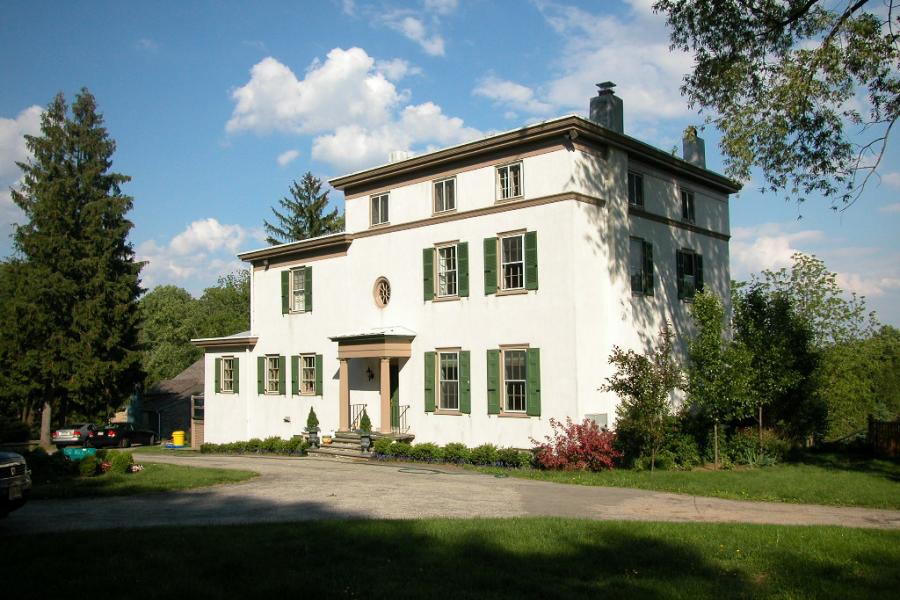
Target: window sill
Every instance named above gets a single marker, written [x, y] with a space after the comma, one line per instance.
[445, 299]
[515, 292]
[227, 393]
[510, 199]
[439, 213]
[449, 413]
[513, 415]
[377, 225]
[297, 312]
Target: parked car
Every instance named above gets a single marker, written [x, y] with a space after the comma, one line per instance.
[122, 435]
[72, 435]
[15, 482]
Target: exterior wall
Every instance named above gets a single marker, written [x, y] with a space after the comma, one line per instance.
[583, 307]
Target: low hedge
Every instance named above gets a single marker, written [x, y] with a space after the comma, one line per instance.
[270, 445]
[455, 453]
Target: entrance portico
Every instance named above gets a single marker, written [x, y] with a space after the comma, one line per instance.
[390, 346]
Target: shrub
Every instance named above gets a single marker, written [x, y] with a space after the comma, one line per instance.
[121, 462]
[457, 453]
[685, 453]
[296, 445]
[510, 457]
[485, 454]
[312, 421]
[272, 444]
[207, 448]
[13, 431]
[253, 445]
[382, 446]
[88, 466]
[365, 424]
[401, 449]
[577, 447]
[428, 452]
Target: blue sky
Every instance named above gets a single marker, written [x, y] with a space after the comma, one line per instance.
[217, 106]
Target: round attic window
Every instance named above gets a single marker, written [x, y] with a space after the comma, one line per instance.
[382, 292]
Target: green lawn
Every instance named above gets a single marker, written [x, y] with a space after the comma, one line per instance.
[821, 479]
[154, 478]
[489, 558]
[161, 449]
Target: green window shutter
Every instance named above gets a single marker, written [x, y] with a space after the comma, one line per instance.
[236, 373]
[531, 261]
[490, 266]
[679, 273]
[307, 289]
[698, 271]
[218, 386]
[429, 382]
[493, 382]
[648, 268]
[285, 292]
[319, 367]
[261, 375]
[428, 273]
[533, 382]
[465, 382]
[462, 266]
[295, 375]
[282, 388]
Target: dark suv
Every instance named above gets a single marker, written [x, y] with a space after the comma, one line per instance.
[15, 482]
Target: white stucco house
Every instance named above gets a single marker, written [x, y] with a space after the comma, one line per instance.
[478, 290]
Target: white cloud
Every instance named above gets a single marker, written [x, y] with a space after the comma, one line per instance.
[348, 7]
[147, 45]
[396, 69]
[286, 158]
[768, 246]
[12, 141]
[892, 179]
[441, 7]
[511, 95]
[196, 256]
[890, 208]
[415, 29]
[350, 101]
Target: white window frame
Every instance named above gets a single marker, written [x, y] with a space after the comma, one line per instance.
[298, 289]
[306, 384]
[452, 383]
[688, 201]
[379, 205]
[501, 258]
[438, 265]
[439, 191]
[631, 273]
[638, 187]
[508, 192]
[690, 257]
[226, 384]
[273, 374]
[505, 400]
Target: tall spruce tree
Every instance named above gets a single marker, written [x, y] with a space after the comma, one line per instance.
[303, 214]
[82, 278]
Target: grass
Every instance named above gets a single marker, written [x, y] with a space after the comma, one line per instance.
[829, 479]
[154, 478]
[161, 449]
[479, 558]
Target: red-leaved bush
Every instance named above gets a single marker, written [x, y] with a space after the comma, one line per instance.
[577, 447]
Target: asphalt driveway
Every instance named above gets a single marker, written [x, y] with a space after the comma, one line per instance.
[297, 489]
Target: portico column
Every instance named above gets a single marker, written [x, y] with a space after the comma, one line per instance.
[385, 395]
[344, 410]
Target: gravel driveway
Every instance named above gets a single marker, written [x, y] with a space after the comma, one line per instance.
[296, 489]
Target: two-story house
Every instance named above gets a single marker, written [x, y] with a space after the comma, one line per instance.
[478, 290]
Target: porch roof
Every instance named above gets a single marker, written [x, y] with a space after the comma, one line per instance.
[380, 342]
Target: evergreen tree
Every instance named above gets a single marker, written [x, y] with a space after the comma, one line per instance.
[304, 214]
[80, 268]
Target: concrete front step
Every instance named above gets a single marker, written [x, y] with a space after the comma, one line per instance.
[332, 452]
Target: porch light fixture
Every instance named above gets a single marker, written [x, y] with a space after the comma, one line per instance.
[369, 373]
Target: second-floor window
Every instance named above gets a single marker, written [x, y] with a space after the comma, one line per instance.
[687, 205]
[641, 266]
[379, 209]
[689, 271]
[509, 181]
[636, 190]
[298, 290]
[228, 374]
[512, 262]
[446, 271]
[445, 195]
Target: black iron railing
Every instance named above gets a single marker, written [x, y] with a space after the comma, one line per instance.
[356, 411]
[398, 418]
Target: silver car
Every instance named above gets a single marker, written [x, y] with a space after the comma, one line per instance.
[77, 434]
[15, 482]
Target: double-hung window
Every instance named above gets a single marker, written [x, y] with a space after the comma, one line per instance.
[689, 270]
[514, 380]
[379, 209]
[512, 262]
[509, 181]
[445, 195]
[641, 266]
[308, 374]
[298, 290]
[636, 189]
[687, 205]
[448, 383]
[447, 271]
[273, 375]
[227, 377]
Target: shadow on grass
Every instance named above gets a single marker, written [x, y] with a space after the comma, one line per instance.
[887, 467]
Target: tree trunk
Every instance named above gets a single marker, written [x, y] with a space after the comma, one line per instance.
[716, 445]
[760, 429]
[652, 459]
[46, 412]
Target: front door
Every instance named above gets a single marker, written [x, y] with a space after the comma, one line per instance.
[395, 395]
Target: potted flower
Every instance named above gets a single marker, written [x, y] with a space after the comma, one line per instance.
[312, 428]
[365, 431]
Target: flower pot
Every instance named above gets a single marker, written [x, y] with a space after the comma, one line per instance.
[313, 438]
[365, 440]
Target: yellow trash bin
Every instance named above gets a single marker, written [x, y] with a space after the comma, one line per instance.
[178, 438]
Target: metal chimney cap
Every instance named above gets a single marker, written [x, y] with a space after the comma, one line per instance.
[605, 88]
